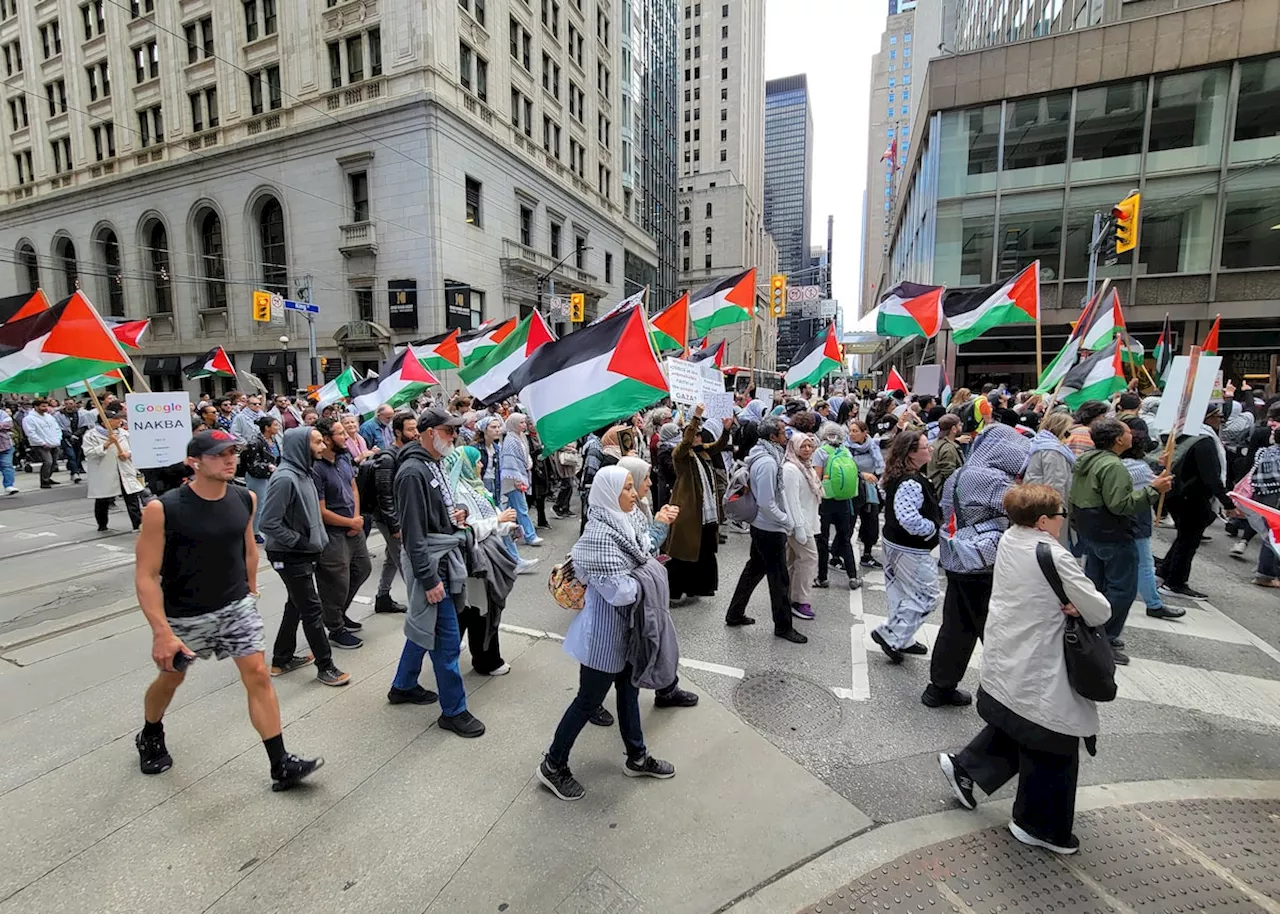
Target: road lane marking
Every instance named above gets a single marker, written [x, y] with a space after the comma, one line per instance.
[720, 669]
[860, 681]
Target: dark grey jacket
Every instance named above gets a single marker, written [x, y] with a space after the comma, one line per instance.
[652, 648]
[289, 516]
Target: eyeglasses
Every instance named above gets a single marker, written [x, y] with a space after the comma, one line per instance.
[1057, 514]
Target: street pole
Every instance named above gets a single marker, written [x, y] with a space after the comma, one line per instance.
[311, 337]
[1094, 243]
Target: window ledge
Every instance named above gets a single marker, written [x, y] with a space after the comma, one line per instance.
[201, 69]
[350, 12]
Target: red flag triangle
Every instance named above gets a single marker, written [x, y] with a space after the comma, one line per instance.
[221, 362]
[633, 356]
[412, 370]
[80, 333]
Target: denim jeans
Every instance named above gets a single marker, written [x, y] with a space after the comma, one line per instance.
[444, 660]
[6, 469]
[1268, 562]
[517, 499]
[1147, 574]
[72, 455]
[1113, 569]
[593, 686]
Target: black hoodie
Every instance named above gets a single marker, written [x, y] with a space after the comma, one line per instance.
[423, 502]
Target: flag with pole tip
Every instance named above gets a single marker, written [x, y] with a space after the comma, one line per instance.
[1210, 344]
[895, 381]
[815, 359]
[54, 347]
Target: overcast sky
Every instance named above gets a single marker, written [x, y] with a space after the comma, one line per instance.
[832, 42]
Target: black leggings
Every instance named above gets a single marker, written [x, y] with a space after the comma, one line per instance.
[838, 514]
[132, 504]
[868, 525]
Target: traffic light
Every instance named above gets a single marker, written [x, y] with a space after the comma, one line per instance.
[778, 295]
[1126, 214]
[324, 364]
[262, 306]
[577, 307]
[1108, 247]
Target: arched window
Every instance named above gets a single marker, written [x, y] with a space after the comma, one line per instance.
[114, 279]
[212, 262]
[686, 239]
[157, 240]
[64, 252]
[275, 272]
[708, 210]
[686, 214]
[28, 267]
[708, 234]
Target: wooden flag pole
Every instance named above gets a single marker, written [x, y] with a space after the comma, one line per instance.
[1039, 344]
[1179, 422]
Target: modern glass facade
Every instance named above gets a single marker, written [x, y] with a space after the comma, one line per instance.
[656, 121]
[986, 23]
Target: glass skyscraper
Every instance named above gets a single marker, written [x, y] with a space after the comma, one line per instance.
[788, 195]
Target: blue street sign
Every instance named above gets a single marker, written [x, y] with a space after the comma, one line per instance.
[290, 305]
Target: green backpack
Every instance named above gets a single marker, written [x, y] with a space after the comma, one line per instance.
[839, 474]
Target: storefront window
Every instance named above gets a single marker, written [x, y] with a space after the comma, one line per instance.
[962, 250]
[1030, 229]
[1108, 131]
[1187, 117]
[970, 151]
[1035, 141]
[1176, 235]
[1081, 205]
[1257, 130]
[1251, 224]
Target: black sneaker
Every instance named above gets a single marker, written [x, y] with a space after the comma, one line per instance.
[915, 648]
[153, 757]
[869, 562]
[384, 604]
[560, 781]
[855, 583]
[890, 651]
[740, 620]
[465, 724]
[821, 584]
[676, 698]
[415, 696]
[649, 767]
[933, 697]
[293, 771]
[332, 676]
[344, 640]
[958, 778]
[792, 635]
[1070, 846]
[351, 624]
[1121, 658]
[601, 718]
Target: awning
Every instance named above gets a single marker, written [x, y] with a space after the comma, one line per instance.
[275, 361]
[162, 364]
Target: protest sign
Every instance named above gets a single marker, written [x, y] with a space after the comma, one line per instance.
[685, 380]
[159, 428]
[766, 395]
[718, 405]
[1185, 403]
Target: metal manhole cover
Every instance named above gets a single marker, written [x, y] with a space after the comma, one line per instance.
[787, 705]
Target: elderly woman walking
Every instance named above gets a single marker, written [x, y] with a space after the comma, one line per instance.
[803, 493]
[516, 465]
[1052, 462]
[1034, 718]
[693, 570]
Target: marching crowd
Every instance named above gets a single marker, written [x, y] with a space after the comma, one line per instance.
[1034, 513]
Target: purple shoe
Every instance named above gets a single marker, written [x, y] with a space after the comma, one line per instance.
[802, 610]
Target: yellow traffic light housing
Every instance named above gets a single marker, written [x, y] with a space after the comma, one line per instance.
[1126, 215]
[577, 307]
[262, 306]
[778, 295]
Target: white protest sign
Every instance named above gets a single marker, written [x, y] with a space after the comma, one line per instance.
[159, 428]
[685, 380]
[718, 405]
[1176, 382]
[766, 395]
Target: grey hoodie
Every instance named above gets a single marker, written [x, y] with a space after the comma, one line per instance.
[289, 516]
[771, 504]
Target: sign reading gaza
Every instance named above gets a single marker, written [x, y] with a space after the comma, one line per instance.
[159, 428]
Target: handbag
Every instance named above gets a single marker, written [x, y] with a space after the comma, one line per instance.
[1091, 663]
[568, 592]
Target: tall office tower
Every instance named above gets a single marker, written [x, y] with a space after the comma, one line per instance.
[788, 195]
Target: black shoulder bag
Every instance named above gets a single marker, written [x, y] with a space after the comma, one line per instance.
[1091, 665]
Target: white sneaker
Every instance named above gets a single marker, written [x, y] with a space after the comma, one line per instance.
[11, 490]
[502, 670]
[1237, 551]
[536, 541]
[526, 566]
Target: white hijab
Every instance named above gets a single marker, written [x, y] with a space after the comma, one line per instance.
[606, 489]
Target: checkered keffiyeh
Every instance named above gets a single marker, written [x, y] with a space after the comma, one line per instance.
[998, 456]
[607, 550]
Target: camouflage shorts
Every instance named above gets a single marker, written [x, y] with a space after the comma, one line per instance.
[233, 631]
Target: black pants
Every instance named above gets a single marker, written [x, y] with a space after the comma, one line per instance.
[475, 627]
[1045, 804]
[564, 491]
[132, 504]
[964, 617]
[343, 567]
[45, 456]
[302, 604]
[768, 560]
[1192, 521]
[837, 514]
[868, 525]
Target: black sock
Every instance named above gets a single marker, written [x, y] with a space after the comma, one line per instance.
[275, 750]
[150, 729]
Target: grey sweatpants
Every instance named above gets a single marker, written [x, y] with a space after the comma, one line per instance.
[342, 568]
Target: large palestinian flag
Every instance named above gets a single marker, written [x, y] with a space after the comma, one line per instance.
[815, 359]
[214, 363]
[731, 300]
[1015, 301]
[598, 374]
[442, 353]
[1095, 378]
[57, 346]
[910, 309]
[399, 381]
[488, 378]
[16, 307]
[476, 344]
[671, 325]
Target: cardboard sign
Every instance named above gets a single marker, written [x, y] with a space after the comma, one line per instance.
[718, 405]
[766, 395]
[928, 380]
[1172, 405]
[159, 428]
[685, 380]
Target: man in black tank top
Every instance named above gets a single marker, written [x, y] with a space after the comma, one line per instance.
[197, 575]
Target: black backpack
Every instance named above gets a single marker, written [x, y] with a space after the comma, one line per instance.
[367, 484]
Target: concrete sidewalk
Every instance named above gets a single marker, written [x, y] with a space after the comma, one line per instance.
[403, 818]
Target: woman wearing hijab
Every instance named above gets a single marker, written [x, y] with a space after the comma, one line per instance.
[803, 494]
[612, 557]
[663, 463]
[657, 418]
[1051, 461]
[693, 570]
[515, 466]
[618, 442]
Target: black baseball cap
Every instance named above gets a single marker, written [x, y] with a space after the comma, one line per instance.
[434, 415]
[211, 443]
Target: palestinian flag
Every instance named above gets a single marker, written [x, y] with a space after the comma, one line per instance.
[596, 375]
[214, 363]
[489, 378]
[399, 381]
[1164, 351]
[1105, 323]
[475, 344]
[895, 381]
[1095, 378]
[1015, 301]
[1210, 344]
[815, 359]
[945, 397]
[671, 325]
[629, 302]
[716, 355]
[910, 309]
[110, 379]
[732, 300]
[16, 307]
[442, 352]
[1069, 354]
[129, 332]
[336, 389]
[55, 347]
[1270, 516]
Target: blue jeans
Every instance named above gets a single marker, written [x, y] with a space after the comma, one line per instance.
[510, 545]
[1113, 569]
[1147, 588]
[516, 499]
[72, 456]
[6, 469]
[593, 686]
[444, 660]
[1268, 562]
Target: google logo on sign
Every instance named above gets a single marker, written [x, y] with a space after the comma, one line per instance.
[154, 408]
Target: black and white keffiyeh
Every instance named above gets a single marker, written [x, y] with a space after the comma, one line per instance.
[611, 544]
[974, 494]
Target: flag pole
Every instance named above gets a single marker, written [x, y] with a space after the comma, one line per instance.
[1179, 422]
[1039, 344]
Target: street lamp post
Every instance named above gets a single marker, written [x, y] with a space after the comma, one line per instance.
[543, 278]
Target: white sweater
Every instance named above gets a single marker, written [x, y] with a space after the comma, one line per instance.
[801, 502]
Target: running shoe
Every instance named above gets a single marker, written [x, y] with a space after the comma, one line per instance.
[293, 770]
[560, 781]
[958, 778]
[1071, 845]
[153, 757]
[649, 767]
